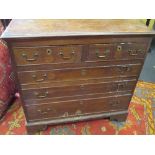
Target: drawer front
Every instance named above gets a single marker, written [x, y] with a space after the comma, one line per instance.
[130, 51]
[72, 90]
[77, 107]
[47, 55]
[116, 51]
[78, 74]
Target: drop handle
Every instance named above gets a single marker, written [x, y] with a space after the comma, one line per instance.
[34, 58]
[44, 76]
[43, 112]
[67, 57]
[102, 56]
[41, 95]
[123, 69]
[133, 52]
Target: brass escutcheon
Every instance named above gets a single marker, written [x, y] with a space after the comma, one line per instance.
[119, 48]
[49, 51]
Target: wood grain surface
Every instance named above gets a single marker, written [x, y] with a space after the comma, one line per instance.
[73, 27]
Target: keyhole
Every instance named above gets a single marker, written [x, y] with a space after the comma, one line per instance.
[49, 51]
[119, 48]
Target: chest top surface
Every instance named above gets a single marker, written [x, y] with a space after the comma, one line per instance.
[73, 27]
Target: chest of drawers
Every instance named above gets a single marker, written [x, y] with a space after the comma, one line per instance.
[74, 70]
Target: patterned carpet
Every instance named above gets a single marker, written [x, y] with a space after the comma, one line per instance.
[140, 121]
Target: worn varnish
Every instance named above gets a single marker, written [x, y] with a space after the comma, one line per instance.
[72, 27]
[74, 70]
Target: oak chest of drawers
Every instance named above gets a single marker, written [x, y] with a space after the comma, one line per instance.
[73, 70]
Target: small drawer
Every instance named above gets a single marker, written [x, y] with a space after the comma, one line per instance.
[47, 55]
[116, 51]
[73, 108]
[73, 90]
[28, 77]
[130, 51]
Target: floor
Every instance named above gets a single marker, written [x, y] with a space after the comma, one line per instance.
[148, 71]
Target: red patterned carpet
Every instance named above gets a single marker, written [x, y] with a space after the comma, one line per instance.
[140, 121]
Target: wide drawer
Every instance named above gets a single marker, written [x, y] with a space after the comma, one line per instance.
[116, 51]
[82, 89]
[72, 108]
[47, 55]
[70, 74]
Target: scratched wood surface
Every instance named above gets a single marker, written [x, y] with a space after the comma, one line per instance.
[73, 27]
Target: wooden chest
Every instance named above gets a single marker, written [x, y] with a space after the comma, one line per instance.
[74, 70]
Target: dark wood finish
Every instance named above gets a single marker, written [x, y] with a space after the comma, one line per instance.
[81, 89]
[47, 55]
[74, 70]
[78, 107]
[117, 51]
[75, 97]
[80, 73]
[86, 82]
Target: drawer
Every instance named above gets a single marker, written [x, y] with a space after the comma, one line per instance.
[73, 90]
[116, 51]
[73, 108]
[130, 51]
[40, 76]
[47, 55]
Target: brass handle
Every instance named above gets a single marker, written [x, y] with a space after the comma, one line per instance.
[41, 95]
[102, 56]
[65, 57]
[35, 56]
[40, 80]
[133, 52]
[43, 112]
[123, 69]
